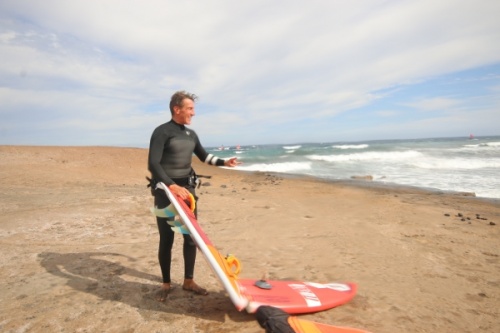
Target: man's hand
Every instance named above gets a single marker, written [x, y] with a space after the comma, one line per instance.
[232, 162]
[180, 191]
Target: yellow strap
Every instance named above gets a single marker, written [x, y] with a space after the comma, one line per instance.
[233, 264]
[192, 202]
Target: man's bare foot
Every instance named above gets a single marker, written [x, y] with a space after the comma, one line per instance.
[190, 285]
[162, 294]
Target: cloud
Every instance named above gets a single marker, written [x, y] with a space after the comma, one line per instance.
[387, 113]
[103, 67]
[433, 104]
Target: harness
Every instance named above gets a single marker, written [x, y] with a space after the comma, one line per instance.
[193, 180]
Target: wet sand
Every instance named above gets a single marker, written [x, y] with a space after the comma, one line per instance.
[78, 248]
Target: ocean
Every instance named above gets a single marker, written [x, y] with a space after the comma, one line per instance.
[446, 164]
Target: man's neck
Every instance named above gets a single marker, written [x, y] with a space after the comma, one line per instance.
[177, 123]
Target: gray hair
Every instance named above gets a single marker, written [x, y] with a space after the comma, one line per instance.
[179, 97]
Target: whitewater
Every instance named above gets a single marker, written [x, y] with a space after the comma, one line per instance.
[446, 164]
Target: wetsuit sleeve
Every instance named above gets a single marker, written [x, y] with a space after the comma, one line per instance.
[205, 157]
[156, 146]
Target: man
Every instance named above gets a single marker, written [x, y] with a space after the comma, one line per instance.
[170, 153]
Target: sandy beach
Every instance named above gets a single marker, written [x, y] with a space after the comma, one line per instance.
[78, 248]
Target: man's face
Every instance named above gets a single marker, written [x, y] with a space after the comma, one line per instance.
[183, 114]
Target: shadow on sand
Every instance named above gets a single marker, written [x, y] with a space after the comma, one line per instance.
[109, 277]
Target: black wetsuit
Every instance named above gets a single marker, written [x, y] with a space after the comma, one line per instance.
[170, 153]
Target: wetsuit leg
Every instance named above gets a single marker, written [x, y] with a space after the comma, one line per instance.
[166, 237]
[167, 241]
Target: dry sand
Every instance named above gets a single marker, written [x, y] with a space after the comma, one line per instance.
[78, 248]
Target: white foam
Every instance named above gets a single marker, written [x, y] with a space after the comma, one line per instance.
[277, 167]
[292, 147]
[456, 163]
[485, 145]
[368, 156]
[362, 146]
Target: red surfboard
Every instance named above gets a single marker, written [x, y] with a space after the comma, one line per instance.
[296, 296]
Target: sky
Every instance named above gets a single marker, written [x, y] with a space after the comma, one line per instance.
[101, 72]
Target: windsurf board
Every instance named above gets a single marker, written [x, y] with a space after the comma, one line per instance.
[291, 296]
